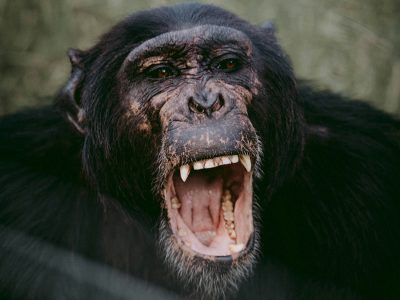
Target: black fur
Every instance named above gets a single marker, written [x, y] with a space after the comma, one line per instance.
[329, 194]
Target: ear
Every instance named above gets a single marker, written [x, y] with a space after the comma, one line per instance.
[69, 98]
[269, 28]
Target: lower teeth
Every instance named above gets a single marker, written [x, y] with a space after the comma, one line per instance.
[228, 215]
[236, 248]
[175, 203]
[227, 207]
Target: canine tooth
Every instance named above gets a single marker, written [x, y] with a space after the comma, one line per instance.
[209, 164]
[185, 171]
[246, 162]
[234, 159]
[225, 160]
[236, 248]
[198, 165]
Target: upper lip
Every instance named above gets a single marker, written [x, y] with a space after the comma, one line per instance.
[214, 162]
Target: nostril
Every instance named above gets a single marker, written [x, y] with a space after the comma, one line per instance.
[221, 100]
[206, 107]
[194, 106]
[218, 103]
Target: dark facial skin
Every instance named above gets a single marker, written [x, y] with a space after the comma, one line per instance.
[198, 84]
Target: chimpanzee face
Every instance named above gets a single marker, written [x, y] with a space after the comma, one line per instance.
[171, 119]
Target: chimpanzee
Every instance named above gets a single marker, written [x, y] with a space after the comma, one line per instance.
[184, 151]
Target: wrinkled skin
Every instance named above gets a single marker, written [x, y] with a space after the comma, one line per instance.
[316, 216]
[188, 134]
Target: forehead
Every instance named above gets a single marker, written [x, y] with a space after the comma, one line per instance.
[206, 38]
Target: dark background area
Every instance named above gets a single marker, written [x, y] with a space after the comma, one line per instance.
[352, 47]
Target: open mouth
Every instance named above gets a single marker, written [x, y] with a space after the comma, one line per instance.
[209, 205]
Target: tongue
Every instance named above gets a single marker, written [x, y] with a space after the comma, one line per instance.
[200, 198]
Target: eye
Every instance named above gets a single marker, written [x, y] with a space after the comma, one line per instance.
[229, 64]
[160, 72]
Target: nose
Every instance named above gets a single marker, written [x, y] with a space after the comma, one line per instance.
[206, 103]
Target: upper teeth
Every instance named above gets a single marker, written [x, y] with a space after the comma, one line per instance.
[215, 162]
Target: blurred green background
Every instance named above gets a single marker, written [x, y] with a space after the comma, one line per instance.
[352, 47]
